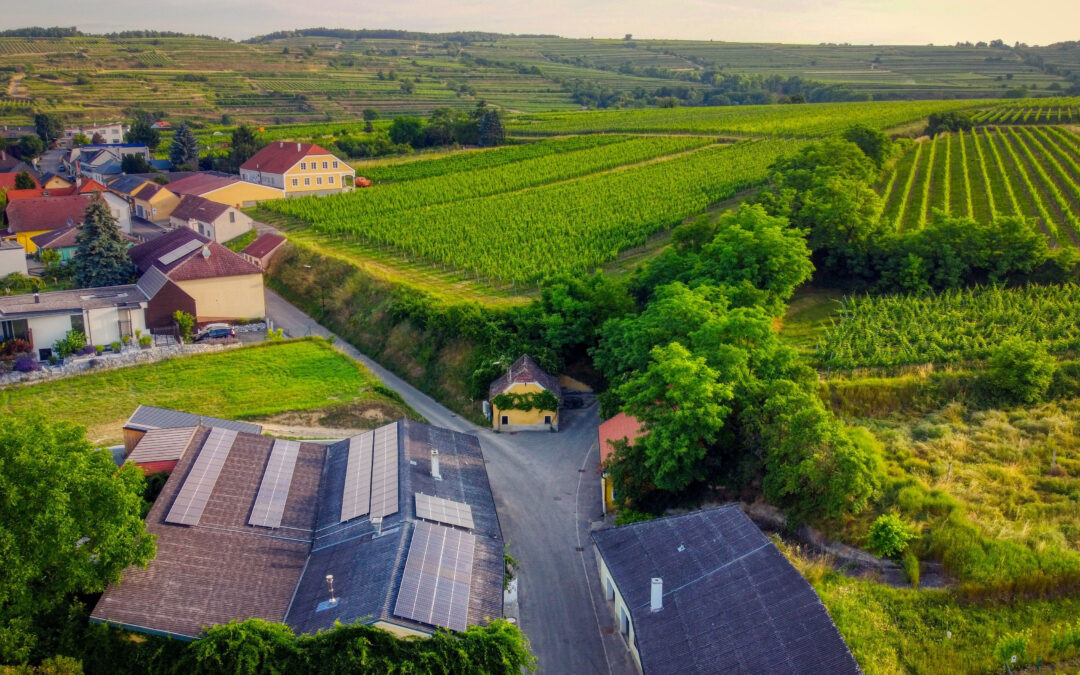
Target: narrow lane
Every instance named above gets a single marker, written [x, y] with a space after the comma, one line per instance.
[547, 493]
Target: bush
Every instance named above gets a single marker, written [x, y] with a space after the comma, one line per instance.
[1010, 646]
[115, 346]
[126, 339]
[15, 347]
[184, 323]
[26, 364]
[99, 349]
[889, 535]
[911, 568]
[145, 340]
[70, 343]
[1021, 371]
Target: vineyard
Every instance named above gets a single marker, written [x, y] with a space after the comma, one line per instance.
[952, 326]
[1031, 111]
[524, 233]
[1030, 171]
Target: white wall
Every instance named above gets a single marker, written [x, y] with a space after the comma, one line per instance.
[46, 330]
[120, 210]
[12, 260]
[618, 604]
[103, 324]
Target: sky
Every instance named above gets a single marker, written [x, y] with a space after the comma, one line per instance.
[802, 21]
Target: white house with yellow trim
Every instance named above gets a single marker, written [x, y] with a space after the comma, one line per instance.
[299, 169]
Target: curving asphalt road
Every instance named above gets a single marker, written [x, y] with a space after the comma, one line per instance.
[547, 492]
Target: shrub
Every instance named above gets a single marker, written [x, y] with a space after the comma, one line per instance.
[184, 323]
[1010, 646]
[911, 568]
[145, 340]
[889, 535]
[15, 346]
[126, 339]
[1021, 371]
[70, 343]
[115, 346]
[26, 364]
[99, 349]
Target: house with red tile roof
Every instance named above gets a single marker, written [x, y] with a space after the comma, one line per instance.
[27, 218]
[187, 271]
[220, 222]
[224, 188]
[299, 169]
[7, 181]
[621, 427]
[263, 249]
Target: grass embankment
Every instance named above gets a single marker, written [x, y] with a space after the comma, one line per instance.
[892, 630]
[238, 244]
[250, 383]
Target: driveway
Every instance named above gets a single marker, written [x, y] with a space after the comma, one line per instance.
[547, 492]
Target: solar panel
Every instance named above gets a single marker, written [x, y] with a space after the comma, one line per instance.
[193, 495]
[274, 489]
[384, 472]
[180, 251]
[443, 511]
[436, 583]
[356, 498]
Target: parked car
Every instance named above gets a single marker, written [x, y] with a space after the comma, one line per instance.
[363, 182]
[215, 331]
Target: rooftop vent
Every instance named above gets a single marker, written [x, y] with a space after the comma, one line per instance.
[435, 464]
[656, 597]
[298, 147]
[37, 298]
[377, 522]
[206, 251]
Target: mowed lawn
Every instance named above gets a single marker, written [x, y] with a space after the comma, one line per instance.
[247, 383]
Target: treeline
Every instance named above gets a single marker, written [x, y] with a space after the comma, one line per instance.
[464, 37]
[481, 126]
[60, 32]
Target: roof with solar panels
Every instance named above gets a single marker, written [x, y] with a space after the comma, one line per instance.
[394, 526]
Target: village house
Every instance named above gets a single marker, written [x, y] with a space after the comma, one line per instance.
[27, 218]
[707, 592]
[394, 528]
[224, 188]
[101, 162]
[12, 259]
[183, 270]
[111, 132]
[104, 315]
[621, 427]
[154, 202]
[513, 394]
[219, 222]
[262, 250]
[298, 169]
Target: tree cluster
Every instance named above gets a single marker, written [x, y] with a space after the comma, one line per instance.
[481, 126]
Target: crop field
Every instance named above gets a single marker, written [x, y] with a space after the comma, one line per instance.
[1030, 171]
[569, 224]
[1029, 114]
[771, 120]
[952, 326]
[308, 375]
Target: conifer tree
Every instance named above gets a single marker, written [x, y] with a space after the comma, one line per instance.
[101, 257]
[184, 151]
[490, 129]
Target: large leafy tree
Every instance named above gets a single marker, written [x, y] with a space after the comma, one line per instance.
[30, 147]
[142, 131]
[184, 151]
[874, 143]
[48, 126]
[684, 407]
[70, 522]
[24, 181]
[101, 257]
[245, 143]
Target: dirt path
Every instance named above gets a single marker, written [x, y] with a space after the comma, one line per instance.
[320, 433]
[13, 85]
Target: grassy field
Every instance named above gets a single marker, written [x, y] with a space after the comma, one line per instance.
[253, 383]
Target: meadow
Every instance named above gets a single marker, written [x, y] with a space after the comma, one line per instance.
[251, 383]
[990, 171]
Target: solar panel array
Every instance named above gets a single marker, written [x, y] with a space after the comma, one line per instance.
[384, 472]
[357, 497]
[274, 489]
[436, 583]
[443, 511]
[180, 251]
[193, 495]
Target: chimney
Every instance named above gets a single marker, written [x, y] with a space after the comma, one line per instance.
[656, 599]
[281, 144]
[37, 298]
[435, 464]
[298, 147]
[377, 522]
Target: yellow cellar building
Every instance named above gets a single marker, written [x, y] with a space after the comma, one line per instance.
[525, 398]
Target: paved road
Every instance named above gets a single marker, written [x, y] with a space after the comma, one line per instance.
[547, 492]
[49, 161]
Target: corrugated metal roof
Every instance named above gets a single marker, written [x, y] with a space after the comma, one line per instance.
[160, 445]
[731, 601]
[148, 417]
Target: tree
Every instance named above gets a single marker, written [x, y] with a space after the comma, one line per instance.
[247, 647]
[142, 131]
[874, 143]
[184, 151]
[683, 406]
[97, 139]
[101, 257]
[406, 131]
[49, 127]
[245, 143]
[24, 181]
[490, 130]
[889, 535]
[408, 86]
[1021, 371]
[184, 323]
[135, 164]
[370, 115]
[30, 147]
[79, 139]
[70, 522]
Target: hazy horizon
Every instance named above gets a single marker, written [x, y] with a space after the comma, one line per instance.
[901, 22]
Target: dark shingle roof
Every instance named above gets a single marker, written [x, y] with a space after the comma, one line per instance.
[62, 238]
[525, 370]
[127, 185]
[66, 302]
[731, 601]
[148, 417]
[265, 244]
[198, 208]
[146, 255]
[148, 191]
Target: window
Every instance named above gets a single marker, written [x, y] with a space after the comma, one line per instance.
[505, 420]
[18, 328]
[318, 180]
[610, 589]
[303, 166]
[78, 324]
[624, 622]
[547, 419]
[330, 179]
[325, 165]
[307, 181]
[124, 316]
[335, 163]
[295, 182]
[232, 216]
